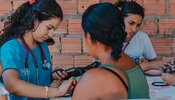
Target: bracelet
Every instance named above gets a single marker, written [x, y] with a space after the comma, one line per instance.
[47, 92]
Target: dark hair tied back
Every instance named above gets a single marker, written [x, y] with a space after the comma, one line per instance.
[117, 40]
[120, 3]
[24, 17]
[130, 7]
[105, 24]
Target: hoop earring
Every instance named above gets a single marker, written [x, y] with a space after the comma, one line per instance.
[33, 30]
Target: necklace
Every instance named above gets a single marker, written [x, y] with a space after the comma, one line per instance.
[125, 46]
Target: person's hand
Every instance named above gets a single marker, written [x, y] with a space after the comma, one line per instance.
[157, 65]
[59, 73]
[56, 83]
[169, 78]
[67, 86]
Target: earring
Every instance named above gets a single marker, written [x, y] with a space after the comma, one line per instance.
[33, 30]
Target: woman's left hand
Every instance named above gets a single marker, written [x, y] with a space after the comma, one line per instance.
[56, 83]
[59, 73]
[169, 78]
[67, 86]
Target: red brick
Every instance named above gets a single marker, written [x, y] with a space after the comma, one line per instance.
[172, 1]
[74, 26]
[111, 1]
[173, 44]
[75, 31]
[53, 48]
[84, 47]
[84, 4]
[5, 7]
[62, 28]
[57, 40]
[150, 26]
[71, 45]
[71, 23]
[139, 2]
[64, 61]
[1, 25]
[154, 7]
[167, 59]
[69, 7]
[167, 26]
[171, 7]
[162, 45]
[82, 61]
[17, 3]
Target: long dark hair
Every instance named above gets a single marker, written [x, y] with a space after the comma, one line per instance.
[130, 7]
[23, 18]
[104, 23]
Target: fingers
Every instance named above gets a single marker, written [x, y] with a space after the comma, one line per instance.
[66, 86]
[160, 64]
[59, 73]
[62, 74]
[56, 83]
[55, 76]
[166, 76]
[169, 78]
[70, 83]
[71, 88]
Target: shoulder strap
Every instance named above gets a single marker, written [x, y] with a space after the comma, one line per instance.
[114, 66]
[118, 76]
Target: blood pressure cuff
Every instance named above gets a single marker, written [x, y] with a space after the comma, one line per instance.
[77, 71]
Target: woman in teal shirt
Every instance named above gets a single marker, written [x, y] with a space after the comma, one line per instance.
[25, 56]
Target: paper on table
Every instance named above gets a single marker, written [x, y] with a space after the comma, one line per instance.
[160, 92]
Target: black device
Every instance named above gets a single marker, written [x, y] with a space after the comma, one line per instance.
[159, 84]
[166, 69]
[78, 71]
[50, 41]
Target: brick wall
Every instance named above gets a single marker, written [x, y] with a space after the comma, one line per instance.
[69, 49]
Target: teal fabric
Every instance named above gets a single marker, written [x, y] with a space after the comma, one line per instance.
[13, 55]
[137, 83]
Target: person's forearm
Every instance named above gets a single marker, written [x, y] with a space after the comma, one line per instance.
[29, 90]
[145, 66]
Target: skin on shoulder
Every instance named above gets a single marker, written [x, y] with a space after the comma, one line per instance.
[100, 84]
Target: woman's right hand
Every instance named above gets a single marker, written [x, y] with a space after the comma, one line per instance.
[156, 65]
[169, 78]
[59, 73]
[67, 86]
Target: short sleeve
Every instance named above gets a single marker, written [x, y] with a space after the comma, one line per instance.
[10, 57]
[149, 52]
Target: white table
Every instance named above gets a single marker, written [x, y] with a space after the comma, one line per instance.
[160, 92]
[156, 92]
